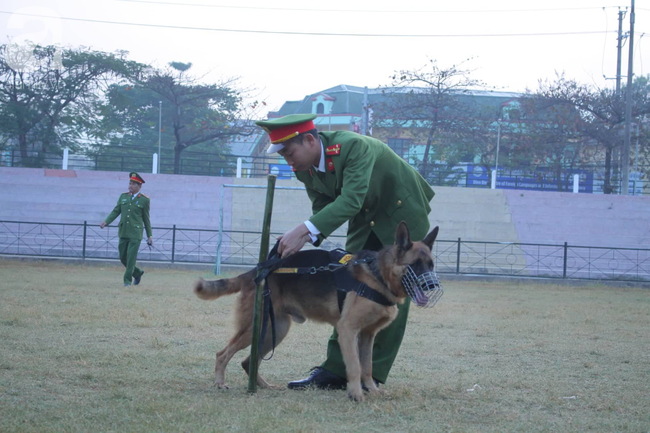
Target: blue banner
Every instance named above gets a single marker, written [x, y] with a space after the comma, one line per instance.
[282, 171]
[538, 180]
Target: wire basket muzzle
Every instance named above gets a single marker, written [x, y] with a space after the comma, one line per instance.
[424, 289]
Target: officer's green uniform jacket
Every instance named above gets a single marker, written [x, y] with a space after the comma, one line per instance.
[367, 184]
[135, 216]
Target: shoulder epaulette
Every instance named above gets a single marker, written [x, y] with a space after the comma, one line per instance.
[334, 149]
[146, 195]
[126, 192]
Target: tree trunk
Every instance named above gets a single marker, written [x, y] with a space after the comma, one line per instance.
[607, 186]
[178, 148]
[558, 177]
[22, 143]
[177, 158]
[424, 169]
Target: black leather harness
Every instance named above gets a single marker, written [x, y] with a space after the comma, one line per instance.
[339, 260]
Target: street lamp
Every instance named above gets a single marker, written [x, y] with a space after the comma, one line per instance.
[496, 161]
[159, 132]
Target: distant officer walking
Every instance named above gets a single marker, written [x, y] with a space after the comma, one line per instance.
[134, 208]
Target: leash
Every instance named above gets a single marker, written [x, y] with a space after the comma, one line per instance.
[264, 270]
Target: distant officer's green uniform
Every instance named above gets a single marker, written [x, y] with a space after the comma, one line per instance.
[134, 211]
[367, 185]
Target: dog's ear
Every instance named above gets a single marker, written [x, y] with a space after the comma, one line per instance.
[428, 241]
[402, 237]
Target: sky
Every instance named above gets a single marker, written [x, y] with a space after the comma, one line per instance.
[287, 49]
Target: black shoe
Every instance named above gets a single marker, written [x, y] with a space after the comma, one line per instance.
[321, 379]
[136, 280]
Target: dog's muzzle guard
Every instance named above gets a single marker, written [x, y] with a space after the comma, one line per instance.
[424, 289]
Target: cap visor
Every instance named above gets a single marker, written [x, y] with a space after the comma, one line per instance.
[274, 148]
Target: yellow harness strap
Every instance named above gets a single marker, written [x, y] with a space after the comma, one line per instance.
[344, 261]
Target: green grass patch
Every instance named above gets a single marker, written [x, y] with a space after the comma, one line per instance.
[79, 352]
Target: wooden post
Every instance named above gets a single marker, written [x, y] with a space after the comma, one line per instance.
[257, 312]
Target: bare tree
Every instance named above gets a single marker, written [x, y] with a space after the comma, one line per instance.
[601, 112]
[429, 102]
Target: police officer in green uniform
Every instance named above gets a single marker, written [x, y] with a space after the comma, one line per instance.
[356, 179]
[133, 206]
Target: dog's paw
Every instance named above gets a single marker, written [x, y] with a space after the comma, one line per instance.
[221, 386]
[356, 398]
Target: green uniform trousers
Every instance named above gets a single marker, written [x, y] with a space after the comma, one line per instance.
[128, 249]
[387, 341]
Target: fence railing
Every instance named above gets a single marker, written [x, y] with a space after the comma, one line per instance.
[184, 245]
[214, 164]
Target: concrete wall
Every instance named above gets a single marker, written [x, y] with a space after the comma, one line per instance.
[42, 195]
[68, 196]
[580, 219]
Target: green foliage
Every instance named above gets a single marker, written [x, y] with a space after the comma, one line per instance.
[47, 93]
[193, 113]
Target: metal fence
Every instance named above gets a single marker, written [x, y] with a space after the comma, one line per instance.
[215, 164]
[183, 245]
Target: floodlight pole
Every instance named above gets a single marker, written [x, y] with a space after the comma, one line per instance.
[255, 357]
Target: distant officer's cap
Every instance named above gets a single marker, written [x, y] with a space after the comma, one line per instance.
[135, 177]
[285, 128]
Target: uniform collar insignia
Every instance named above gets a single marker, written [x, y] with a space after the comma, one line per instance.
[334, 149]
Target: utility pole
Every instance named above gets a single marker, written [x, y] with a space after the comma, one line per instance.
[625, 181]
[619, 48]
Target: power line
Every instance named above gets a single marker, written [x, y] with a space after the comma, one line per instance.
[360, 10]
[163, 26]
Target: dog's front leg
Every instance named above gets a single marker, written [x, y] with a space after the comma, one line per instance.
[366, 340]
[348, 344]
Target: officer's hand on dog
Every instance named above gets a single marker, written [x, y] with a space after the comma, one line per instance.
[102, 225]
[293, 240]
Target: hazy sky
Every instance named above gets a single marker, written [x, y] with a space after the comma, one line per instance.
[287, 49]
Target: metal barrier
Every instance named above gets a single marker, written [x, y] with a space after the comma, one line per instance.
[216, 164]
[182, 245]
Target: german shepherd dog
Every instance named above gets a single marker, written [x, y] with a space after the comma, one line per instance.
[297, 297]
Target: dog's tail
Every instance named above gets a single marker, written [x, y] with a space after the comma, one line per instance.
[214, 289]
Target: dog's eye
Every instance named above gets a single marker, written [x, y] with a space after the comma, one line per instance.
[421, 266]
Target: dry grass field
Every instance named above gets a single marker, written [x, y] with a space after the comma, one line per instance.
[81, 353]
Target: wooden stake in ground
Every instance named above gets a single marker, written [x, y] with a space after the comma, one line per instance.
[257, 312]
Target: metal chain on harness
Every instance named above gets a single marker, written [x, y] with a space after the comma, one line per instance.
[333, 267]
